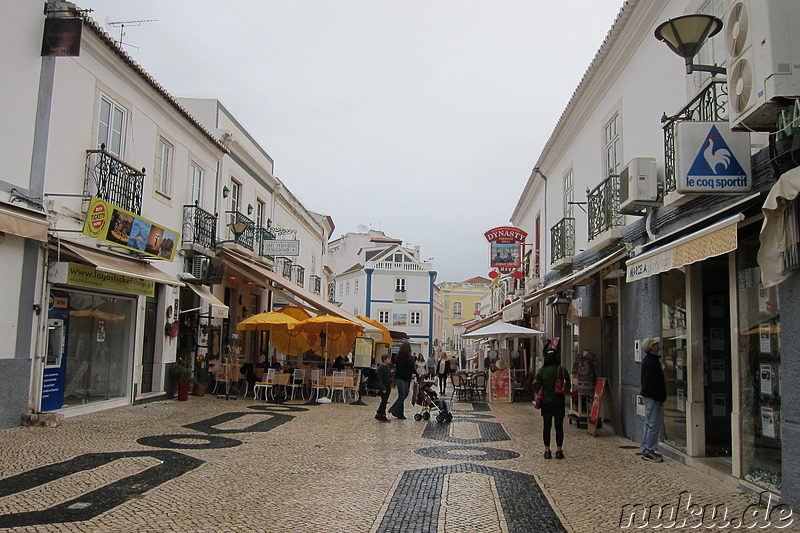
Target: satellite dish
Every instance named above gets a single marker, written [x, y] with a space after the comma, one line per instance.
[361, 228]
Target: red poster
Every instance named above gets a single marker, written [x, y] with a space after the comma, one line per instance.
[597, 404]
[500, 386]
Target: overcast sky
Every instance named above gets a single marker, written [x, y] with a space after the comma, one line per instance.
[421, 118]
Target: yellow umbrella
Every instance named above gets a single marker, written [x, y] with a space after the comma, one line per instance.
[329, 335]
[266, 322]
[386, 337]
[297, 312]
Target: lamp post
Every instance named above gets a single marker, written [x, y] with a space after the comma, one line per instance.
[237, 228]
[561, 305]
[686, 35]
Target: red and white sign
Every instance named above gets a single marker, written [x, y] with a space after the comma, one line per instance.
[505, 248]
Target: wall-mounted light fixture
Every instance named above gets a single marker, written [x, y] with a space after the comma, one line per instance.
[237, 228]
[561, 304]
[226, 191]
[686, 35]
[249, 209]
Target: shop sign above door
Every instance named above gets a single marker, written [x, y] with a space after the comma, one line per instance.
[107, 222]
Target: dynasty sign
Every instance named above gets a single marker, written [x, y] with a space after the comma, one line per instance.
[505, 247]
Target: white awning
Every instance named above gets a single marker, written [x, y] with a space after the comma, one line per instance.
[513, 311]
[121, 265]
[774, 242]
[716, 239]
[23, 224]
[218, 309]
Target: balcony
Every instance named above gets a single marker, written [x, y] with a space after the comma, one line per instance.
[199, 229]
[283, 266]
[113, 180]
[299, 275]
[400, 296]
[605, 220]
[708, 106]
[315, 284]
[562, 241]
[391, 265]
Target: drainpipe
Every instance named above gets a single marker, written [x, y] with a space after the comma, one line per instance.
[368, 272]
[432, 274]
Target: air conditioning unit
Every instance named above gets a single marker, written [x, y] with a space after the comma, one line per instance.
[199, 266]
[763, 61]
[638, 185]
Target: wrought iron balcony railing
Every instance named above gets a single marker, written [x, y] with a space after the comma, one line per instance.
[315, 283]
[113, 180]
[284, 267]
[604, 207]
[710, 105]
[299, 275]
[247, 237]
[562, 239]
[199, 227]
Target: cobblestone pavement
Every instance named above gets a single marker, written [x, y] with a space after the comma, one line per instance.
[211, 465]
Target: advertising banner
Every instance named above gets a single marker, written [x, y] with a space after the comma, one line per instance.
[107, 222]
[505, 248]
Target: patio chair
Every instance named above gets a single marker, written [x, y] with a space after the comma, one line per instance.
[266, 386]
[355, 388]
[297, 382]
[338, 382]
[479, 386]
[458, 387]
[318, 384]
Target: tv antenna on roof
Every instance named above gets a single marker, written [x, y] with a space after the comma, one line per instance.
[122, 23]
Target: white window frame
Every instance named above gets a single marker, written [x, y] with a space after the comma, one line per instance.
[400, 285]
[384, 316]
[355, 287]
[415, 318]
[165, 157]
[569, 194]
[105, 132]
[612, 139]
[236, 195]
[347, 288]
[456, 309]
[195, 183]
[260, 206]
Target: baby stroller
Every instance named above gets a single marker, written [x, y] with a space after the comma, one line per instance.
[370, 381]
[426, 397]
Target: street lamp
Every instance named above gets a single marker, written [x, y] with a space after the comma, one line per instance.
[237, 228]
[561, 305]
[686, 35]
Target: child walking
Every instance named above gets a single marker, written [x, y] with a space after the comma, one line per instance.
[384, 385]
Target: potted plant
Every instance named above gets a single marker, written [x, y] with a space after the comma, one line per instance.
[182, 374]
[202, 380]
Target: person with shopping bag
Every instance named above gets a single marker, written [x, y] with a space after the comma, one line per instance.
[552, 382]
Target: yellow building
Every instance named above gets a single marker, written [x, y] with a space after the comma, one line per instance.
[461, 301]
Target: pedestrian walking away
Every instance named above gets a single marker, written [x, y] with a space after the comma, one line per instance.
[421, 366]
[552, 407]
[442, 371]
[404, 372]
[654, 393]
[431, 366]
[384, 385]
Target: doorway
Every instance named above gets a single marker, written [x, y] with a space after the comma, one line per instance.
[718, 393]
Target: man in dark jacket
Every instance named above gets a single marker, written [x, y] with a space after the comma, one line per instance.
[654, 392]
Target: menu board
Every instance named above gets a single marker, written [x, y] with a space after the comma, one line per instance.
[500, 386]
[362, 354]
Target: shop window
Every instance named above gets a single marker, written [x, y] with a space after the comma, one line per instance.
[673, 356]
[759, 370]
